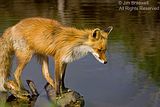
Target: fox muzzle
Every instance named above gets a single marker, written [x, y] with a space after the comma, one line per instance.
[105, 62]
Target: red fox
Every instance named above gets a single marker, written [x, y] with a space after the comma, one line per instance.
[46, 37]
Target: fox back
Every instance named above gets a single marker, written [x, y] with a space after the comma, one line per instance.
[46, 37]
[49, 37]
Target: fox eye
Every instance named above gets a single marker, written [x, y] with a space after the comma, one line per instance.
[99, 50]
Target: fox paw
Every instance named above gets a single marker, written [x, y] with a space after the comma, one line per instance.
[18, 92]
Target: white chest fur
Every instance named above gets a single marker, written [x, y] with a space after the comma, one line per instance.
[77, 53]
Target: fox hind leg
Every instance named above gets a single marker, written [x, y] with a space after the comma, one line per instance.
[23, 59]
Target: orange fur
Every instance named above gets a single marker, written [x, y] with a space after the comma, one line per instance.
[46, 37]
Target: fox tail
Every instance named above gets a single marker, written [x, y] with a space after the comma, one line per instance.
[5, 61]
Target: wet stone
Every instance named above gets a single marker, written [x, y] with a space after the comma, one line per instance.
[69, 98]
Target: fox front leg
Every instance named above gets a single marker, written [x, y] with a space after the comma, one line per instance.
[58, 69]
[64, 66]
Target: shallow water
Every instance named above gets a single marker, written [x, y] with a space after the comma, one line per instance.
[131, 78]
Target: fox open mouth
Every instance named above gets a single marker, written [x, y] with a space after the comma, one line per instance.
[97, 57]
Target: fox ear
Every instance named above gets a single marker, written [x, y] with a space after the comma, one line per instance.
[96, 33]
[108, 29]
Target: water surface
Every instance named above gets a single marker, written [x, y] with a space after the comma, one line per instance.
[131, 77]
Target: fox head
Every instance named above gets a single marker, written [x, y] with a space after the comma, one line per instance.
[98, 42]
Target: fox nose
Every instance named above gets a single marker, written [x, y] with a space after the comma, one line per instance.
[105, 62]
